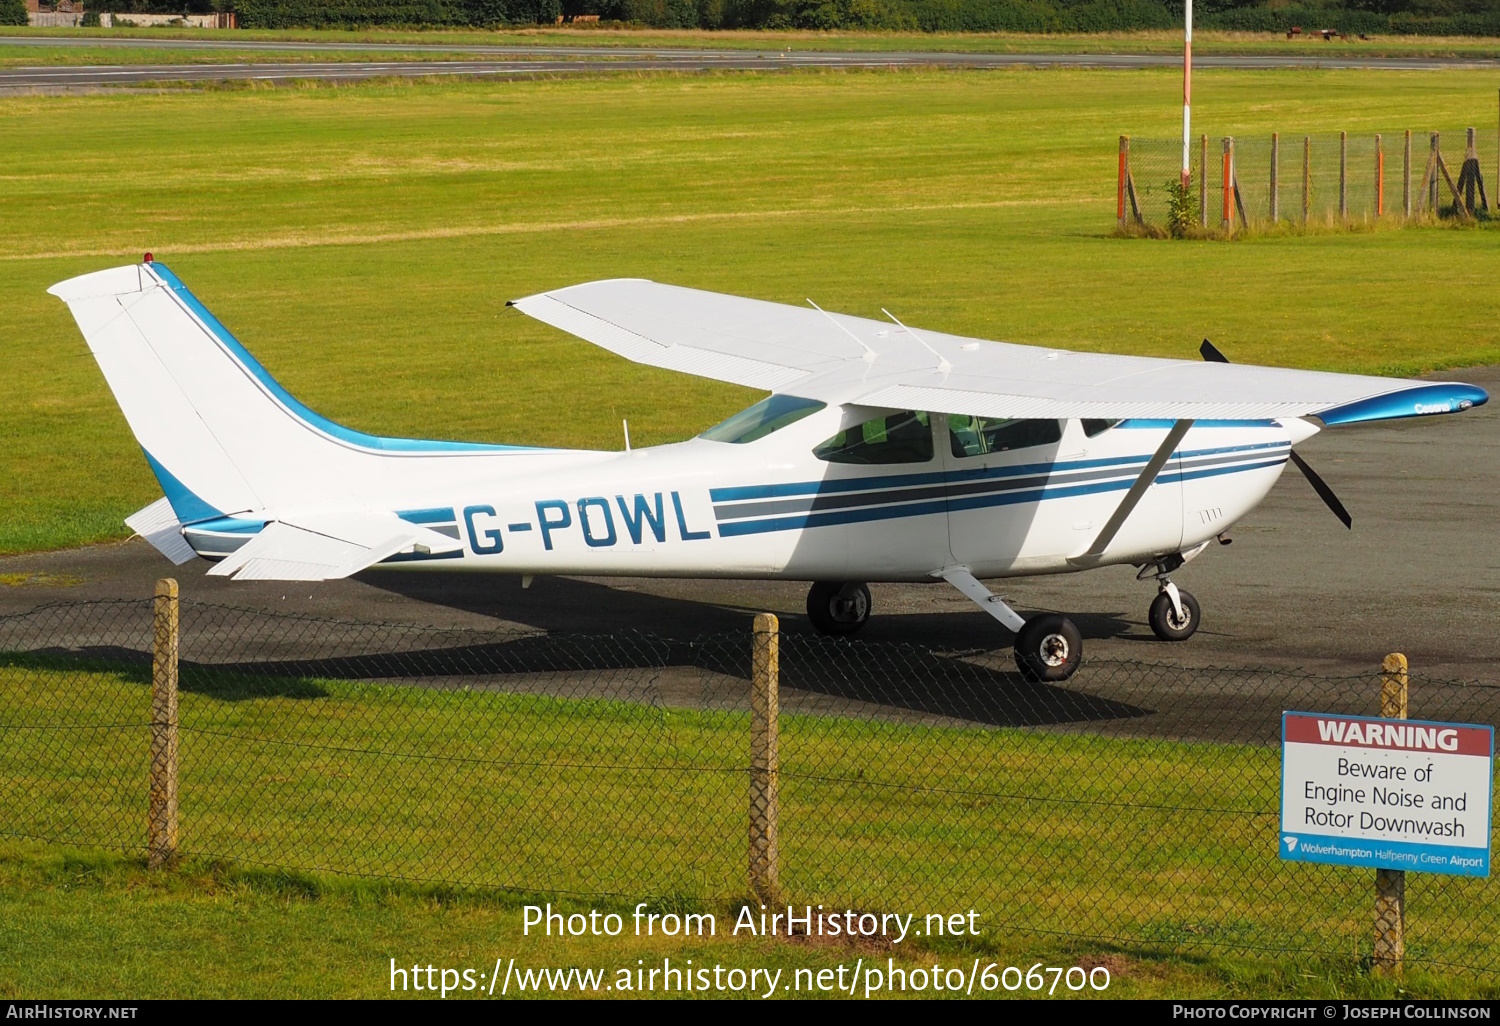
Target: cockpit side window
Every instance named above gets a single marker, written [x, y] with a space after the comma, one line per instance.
[904, 437]
[978, 436]
[770, 414]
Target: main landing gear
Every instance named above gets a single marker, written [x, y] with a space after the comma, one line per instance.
[838, 607]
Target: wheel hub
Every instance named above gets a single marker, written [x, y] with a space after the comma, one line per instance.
[1054, 650]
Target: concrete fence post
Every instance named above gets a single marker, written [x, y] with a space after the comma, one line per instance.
[1275, 177]
[765, 760]
[1379, 176]
[1343, 176]
[1432, 183]
[1203, 181]
[1120, 185]
[161, 835]
[1406, 176]
[1306, 176]
[1390, 884]
[1226, 215]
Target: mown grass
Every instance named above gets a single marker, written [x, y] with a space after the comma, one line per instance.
[363, 241]
[1138, 847]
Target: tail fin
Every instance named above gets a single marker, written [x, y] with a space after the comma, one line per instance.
[221, 435]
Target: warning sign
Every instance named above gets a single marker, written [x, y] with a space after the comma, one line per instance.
[1396, 794]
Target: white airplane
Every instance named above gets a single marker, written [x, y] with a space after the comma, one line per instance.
[883, 453]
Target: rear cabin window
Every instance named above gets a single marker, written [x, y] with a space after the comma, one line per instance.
[978, 436]
[904, 437]
[770, 414]
[1092, 427]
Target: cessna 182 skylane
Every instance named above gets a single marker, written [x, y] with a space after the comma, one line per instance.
[883, 453]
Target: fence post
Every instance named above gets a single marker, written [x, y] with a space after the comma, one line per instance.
[1120, 187]
[1275, 177]
[1226, 215]
[1343, 176]
[1203, 181]
[1306, 176]
[1406, 177]
[1379, 176]
[765, 764]
[1390, 884]
[161, 839]
[1432, 184]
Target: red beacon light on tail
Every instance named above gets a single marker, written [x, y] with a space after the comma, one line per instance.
[148, 258]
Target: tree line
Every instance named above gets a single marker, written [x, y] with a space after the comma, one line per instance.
[1406, 17]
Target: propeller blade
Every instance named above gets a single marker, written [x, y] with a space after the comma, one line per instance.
[1212, 355]
[1324, 492]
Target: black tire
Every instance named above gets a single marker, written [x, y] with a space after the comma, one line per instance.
[1049, 648]
[1164, 621]
[838, 607]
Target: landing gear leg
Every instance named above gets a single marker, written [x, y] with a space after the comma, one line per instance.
[1174, 613]
[1048, 647]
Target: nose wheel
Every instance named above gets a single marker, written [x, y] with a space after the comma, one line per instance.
[1174, 621]
[838, 607]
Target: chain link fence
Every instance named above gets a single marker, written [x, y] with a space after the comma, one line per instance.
[1327, 180]
[1135, 805]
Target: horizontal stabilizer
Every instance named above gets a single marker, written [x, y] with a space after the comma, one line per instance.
[159, 526]
[328, 547]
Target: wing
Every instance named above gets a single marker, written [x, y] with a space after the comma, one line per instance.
[853, 360]
[325, 547]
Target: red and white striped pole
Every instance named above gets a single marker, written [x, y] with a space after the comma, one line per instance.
[1187, 92]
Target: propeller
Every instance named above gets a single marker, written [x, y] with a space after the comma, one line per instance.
[1212, 355]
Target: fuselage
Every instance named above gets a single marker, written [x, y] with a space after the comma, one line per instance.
[1025, 498]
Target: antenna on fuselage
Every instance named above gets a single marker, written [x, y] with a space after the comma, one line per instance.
[870, 354]
[626, 425]
[943, 364]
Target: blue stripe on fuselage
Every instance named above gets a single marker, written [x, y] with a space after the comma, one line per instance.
[915, 509]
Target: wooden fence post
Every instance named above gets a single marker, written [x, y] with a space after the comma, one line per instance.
[1306, 176]
[1343, 176]
[1406, 177]
[1203, 180]
[1379, 176]
[1390, 884]
[765, 765]
[1120, 186]
[1275, 177]
[161, 835]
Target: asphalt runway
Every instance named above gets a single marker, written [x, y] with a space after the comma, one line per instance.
[1419, 573]
[518, 61]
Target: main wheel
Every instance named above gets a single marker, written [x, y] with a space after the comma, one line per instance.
[1049, 648]
[1166, 624]
[838, 607]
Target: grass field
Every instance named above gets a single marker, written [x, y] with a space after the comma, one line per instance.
[363, 240]
[1156, 847]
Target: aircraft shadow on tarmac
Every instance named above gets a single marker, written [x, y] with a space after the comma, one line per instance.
[593, 647]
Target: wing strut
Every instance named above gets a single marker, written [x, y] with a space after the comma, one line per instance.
[1137, 491]
[964, 581]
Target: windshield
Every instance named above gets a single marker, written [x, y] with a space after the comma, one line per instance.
[768, 415]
